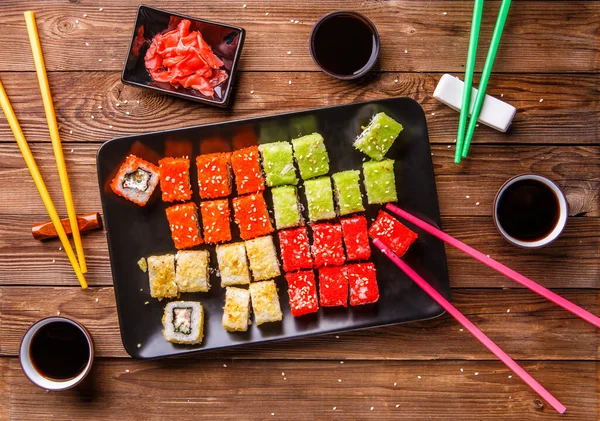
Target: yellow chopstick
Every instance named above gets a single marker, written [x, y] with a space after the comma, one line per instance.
[40, 69]
[39, 182]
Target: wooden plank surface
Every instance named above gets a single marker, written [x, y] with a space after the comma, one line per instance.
[553, 331]
[557, 38]
[569, 113]
[308, 390]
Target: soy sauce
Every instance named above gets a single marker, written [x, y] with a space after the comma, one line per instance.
[344, 45]
[59, 351]
[528, 210]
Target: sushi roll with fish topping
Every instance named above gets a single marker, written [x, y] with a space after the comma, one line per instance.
[265, 302]
[236, 313]
[136, 180]
[191, 274]
[183, 322]
[161, 274]
[175, 179]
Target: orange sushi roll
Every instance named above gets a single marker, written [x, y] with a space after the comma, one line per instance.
[175, 179]
[252, 216]
[215, 221]
[214, 175]
[183, 221]
[246, 167]
[136, 180]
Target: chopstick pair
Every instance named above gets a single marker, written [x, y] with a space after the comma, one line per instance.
[463, 141]
[79, 266]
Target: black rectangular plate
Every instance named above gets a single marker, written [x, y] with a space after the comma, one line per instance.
[134, 231]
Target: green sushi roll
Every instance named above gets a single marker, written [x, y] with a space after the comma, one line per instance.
[285, 204]
[319, 198]
[311, 156]
[378, 137]
[347, 192]
[380, 182]
[278, 163]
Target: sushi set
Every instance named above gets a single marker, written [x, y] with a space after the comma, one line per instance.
[261, 227]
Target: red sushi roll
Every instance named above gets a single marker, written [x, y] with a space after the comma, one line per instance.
[327, 248]
[295, 250]
[175, 179]
[356, 238]
[214, 175]
[251, 216]
[183, 221]
[303, 292]
[246, 167]
[333, 286]
[392, 233]
[363, 283]
[135, 180]
[215, 221]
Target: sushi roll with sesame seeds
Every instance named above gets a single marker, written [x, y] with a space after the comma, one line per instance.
[333, 286]
[214, 175]
[183, 222]
[251, 216]
[319, 198]
[236, 313]
[263, 258]
[356, 238]
[362, 280]
[191, 274]
[380, 182]
[378, 137]
[392, 233]
[161, 275]
[327, 248]
[215, 221]
[295, 249]
[286, 207]
[183, 322]
[311, 156]
[246, 167]
[175, 179]
[265, 302]
[347, 192]
[233, 266]
[278, 163]
[135, 180]
[302, 291]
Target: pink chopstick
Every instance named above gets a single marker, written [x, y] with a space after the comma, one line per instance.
[481, 337]
[508, 272]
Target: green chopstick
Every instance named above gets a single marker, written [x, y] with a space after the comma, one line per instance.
[485, 75]
[469, 68]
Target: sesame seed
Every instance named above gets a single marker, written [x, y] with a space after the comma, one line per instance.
[85, 15]
[395, 80]
[100, 9]
[244, 6]
[432, 113]
[282, 373]
[445, 13]
[92, 116]
[70, 131]
[468, 197]
[542, 100]
[251, 92]
[405, 51]
[477, 373]
[225, 365]
[510, 376]
[419, 377]
[341, 362]
[87, 44]
[372, 408]
[76, 20]
[53, 260]
[334, 408]
[58, 313]
[96, 300]
[289, 82]
[126, 371]
[139, 345]
[461, 370]
[461, 330]
[267, 14]
[477, 204]
[339, 380]
[127, 112]
[100, 60]
[289, 52]
[110, 126]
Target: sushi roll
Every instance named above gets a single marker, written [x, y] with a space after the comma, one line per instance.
[363, 284]
[327, 248]
[378, 137]
[236, 313]
[278, 163]
[263, 258]
[392, 233]
[214, 175]
[161, 274]
[347, 192]
[333, 286]
[302, 291]
[311, 156]
[215, 221]
[319, 198]
[136, 180]
[183, 222]
[191, 274]
[356, 238]
[295, 250]
[233, 266]
[265, 302]
[175, 179]
[183, 322]
[251, 216]
[246, 167]
[286, 207]
[380, 182]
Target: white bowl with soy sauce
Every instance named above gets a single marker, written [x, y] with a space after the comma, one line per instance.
[530, 211]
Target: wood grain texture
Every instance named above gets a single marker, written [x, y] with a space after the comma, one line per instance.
[552, 331]
[308, 390]
[569, 114]
[557, 38]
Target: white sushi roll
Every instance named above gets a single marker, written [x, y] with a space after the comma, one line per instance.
[183, 322]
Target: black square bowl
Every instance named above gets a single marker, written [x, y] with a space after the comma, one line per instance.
[225, 40]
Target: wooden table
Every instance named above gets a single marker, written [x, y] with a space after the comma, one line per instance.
[548, 66]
